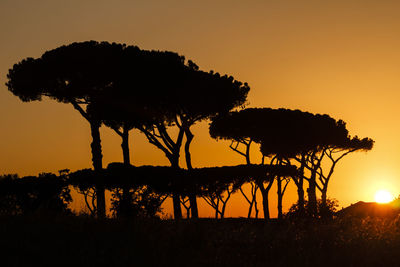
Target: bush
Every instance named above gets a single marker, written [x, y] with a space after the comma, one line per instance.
[137, 202]
[46, 193]
[326, 211]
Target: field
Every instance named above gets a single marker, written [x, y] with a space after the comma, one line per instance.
[83, 241]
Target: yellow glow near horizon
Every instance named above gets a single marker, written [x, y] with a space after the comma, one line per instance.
[383, 196]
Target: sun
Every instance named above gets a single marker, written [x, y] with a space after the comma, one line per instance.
[383, 196]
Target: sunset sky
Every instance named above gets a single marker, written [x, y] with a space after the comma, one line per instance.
[341, 58]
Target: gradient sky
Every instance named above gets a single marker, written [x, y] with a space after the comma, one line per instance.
[336, 57]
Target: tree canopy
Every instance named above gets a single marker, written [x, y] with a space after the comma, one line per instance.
[168, 180]
[75, 74]
[280, 131]
[293, 134]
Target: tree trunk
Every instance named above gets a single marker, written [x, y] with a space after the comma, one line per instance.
[312, 195]
[192, 197]
[177, 207]
[193, 206]
[97, 158]
[248, 162]
[223, 210]
[300, 193]
[280, 196]
[324, 196]
[264, 194]
[125, 201]
[250, 209]
[125, 146]
[256, 209]
[175, 197]
[255, 201]
[300, 190]
[216, 210]
[171, 150]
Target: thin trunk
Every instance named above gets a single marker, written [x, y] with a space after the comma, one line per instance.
[177, 207]
[125, 146]
[300, 190]
[125, 189]
[251, 202]
[281, 191]
[312, 195]
[98, 166]
[255, 208]
[97, 157]
[254, 200]
[324, 196]
[223, 210]
[175, 197]
[300, 193]
[216, 209]
[192, 197]
[193, 206]
[229, 193]
[312, 188]
[250, 209]
[248, 162]
[264, 194]
[324, 210]
[280, 196]
[163, 141]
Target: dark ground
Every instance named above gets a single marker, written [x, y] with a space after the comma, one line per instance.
[83, 241]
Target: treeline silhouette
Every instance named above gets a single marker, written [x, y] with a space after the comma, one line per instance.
[46, 194]
[155, 92]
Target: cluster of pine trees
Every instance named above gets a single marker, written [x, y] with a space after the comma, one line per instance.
[158, 92]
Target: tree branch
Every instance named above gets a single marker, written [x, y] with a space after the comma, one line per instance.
[80, 109]
[153, 140]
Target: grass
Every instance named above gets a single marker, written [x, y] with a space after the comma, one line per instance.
[84, 241]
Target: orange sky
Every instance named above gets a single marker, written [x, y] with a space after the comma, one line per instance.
[336, 57]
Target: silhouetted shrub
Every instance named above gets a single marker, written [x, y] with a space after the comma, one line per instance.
[46, 193]
[327, 211]
[137, 202]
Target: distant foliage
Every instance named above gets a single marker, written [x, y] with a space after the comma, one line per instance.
[323, 211]
[139, 202]
[46, 193]
[166, 180]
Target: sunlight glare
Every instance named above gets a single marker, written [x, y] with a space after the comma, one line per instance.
[383, 196]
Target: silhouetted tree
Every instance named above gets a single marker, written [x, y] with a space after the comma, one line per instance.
[334, 151]
[178, 94]
[282, 183]
[252, 199]
[255, 125]
[218, 198]
[122, 114]
[220, 129]
[219, 183]
[291, 135]
[153, 73]
[71, 74]
[316, 136]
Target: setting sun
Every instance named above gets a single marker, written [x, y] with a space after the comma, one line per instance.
[383, 196]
